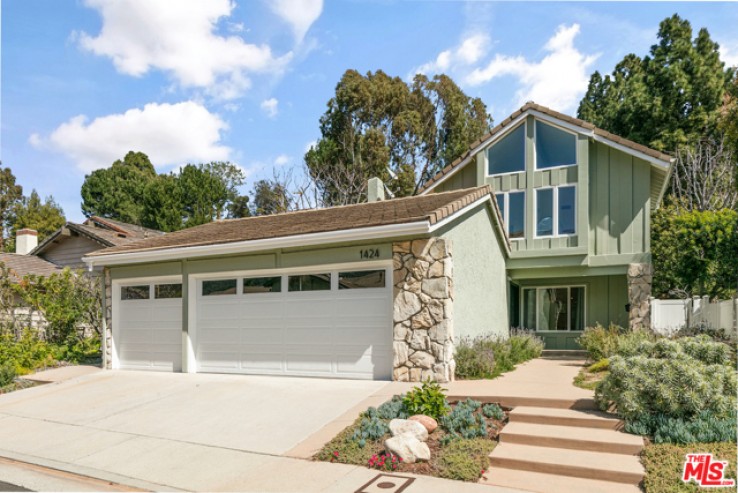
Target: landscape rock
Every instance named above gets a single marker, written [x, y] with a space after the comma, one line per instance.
[429, 423]
[407, 427]
[407, 447]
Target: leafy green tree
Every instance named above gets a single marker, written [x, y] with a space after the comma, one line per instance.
[207, 190]
[694, 253]
[10, 194]
[239, 207]
[666, 99]
[377, 125]
[117, 192]
[30, 212]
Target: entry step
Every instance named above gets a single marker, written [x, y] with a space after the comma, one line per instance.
[551, 483]
[564, 417]
[572, 438]
[618, 468]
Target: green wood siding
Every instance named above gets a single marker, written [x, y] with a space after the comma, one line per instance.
[620, 204]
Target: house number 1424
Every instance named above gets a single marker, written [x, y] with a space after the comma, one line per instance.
[369, 253]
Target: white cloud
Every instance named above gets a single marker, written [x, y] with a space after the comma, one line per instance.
[558, 80]
[179, 39]
[281, 160]
[169, 134]
[469, 51]
[729, 54]
[270, 107]
[299, 14]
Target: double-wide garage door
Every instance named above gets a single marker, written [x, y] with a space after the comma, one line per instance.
[330, 323]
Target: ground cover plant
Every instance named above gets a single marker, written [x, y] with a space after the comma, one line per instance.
[489, 356]
[460, 446]
[664, 465]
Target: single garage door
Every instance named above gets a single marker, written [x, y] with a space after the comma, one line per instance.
[149, 326]
[331, 323]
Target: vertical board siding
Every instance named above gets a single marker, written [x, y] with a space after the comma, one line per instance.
[67, 251]
[620, 207]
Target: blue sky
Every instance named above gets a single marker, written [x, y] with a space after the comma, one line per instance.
[84, 81]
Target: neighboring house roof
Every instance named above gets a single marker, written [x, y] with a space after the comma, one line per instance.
[22, 265]
[106, 232]
[663, 161]
[345, 223]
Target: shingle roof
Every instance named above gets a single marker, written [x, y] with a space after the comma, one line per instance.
[107, 232]
[474, 147]
[23, 265]
[432, 208]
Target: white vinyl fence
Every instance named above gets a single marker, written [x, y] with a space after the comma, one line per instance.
[668, 316]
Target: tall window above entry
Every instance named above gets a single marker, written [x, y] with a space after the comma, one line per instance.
[508, 154]
[554, 147]
[512, 208]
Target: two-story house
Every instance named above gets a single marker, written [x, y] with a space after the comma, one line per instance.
[577, 204]
[544, 224]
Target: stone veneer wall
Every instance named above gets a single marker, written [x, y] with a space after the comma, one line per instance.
[108, 319]
[640, 277]
[423, 344]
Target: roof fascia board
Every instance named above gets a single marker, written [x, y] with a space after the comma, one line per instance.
[665, 186]
[373, 232]
[472, 155]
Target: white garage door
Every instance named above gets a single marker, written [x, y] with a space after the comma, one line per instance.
[335, 323]
[148, 326]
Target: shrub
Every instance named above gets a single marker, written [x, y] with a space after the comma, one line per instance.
[465, 459]
[488, 356]
[26, 353]
[600, 366]
[493, 411]
[428, 399]
[664, 465]
[675, 387]
[463, 422]
[7, 374]
[76, 350]
[371, 428]
[393, 409]
[704, 329]
[601, 342]
[704, 428]
[701, 348]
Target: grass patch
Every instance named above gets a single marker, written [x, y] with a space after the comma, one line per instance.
[664, 464]
[464, 459]
[590, 376]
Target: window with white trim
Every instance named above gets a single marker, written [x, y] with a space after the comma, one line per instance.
[554, 147]
[556, 211]
[554, 308]
[507, 155]
[512, 208]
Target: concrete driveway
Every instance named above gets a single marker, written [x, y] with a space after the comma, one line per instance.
[190, 432]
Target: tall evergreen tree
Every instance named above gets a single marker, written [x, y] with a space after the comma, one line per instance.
[666, 99]
[10, 194]
[31, 212]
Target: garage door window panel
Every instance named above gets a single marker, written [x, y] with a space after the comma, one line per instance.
[167, 291]
[253, 285]
[310, 282]
[135, 292]
[362, 279]
[219, 287]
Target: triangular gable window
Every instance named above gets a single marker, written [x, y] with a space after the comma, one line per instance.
[508, 154]
[554, 147]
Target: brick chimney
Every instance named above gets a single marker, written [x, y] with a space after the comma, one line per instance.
[25, 241]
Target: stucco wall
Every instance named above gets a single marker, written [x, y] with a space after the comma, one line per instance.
[480, 279]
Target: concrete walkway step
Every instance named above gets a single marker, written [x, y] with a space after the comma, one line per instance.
[515, 401]
[602, 466]
[579, 354]
[572, 438]
[564, 417]
[550, 483]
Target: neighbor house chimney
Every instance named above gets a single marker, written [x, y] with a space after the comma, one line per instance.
[25, 241]
[375, 190]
